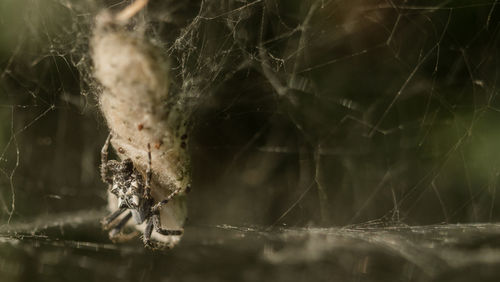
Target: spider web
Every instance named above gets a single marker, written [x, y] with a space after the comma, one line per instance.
[324, 114]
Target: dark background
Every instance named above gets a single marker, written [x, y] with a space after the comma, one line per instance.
[305, 114]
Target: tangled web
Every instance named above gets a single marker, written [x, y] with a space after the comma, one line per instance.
[305, 113]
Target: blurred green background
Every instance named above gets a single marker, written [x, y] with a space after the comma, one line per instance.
[305, 113]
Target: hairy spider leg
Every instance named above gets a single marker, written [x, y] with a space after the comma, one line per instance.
[154, 222]
[149, 174]
[166, 232]
[118, 227]
[108, 219]
[104, 161]
[147, 232]
[157, 206]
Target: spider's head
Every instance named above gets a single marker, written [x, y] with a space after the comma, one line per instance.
[125, 167]
[119, 171]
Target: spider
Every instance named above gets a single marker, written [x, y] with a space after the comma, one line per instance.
[134, 196]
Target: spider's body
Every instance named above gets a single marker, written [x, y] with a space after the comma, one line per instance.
[134, 195]
[128, 186]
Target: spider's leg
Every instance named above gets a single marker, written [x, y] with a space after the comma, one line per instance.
[166, 232]
[158, 205]
[104, 161]
[149, 174]
[116, 230]
[108, 219]
[147, 232]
